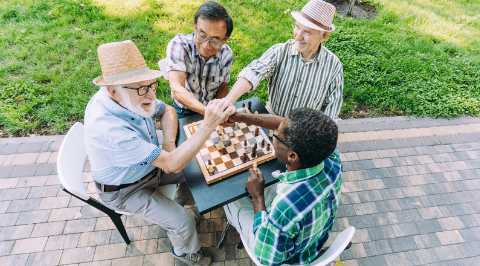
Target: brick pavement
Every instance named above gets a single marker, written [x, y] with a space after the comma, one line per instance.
[411, 188]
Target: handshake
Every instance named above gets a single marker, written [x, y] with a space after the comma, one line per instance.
[218, 111]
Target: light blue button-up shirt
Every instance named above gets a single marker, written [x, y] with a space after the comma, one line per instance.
[120, 144]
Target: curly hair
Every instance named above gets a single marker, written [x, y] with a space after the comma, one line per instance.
[214, 11]
[312, 135]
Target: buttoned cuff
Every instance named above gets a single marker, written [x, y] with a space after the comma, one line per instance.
[251, 76]
[147, 160]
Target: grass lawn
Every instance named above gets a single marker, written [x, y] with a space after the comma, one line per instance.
[417, 57]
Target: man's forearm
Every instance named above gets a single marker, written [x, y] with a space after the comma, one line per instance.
[258, 203]
[241, 86]
[169, 125]
[222, 91]
[263, 120]
[187, 99]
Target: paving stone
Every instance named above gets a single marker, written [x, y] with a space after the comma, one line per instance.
[90, 212]
[32, 181]
[361, 221]
[398, 171]
[413, 191]
[423, 256]
[43, 192]
[33, 217]
[79, 226]
[340, 224]
[138, 260]
[402, 258]
[158, 259]
[427, 241]
[430, 213]
[401, 244]
[468, 261]
[450, 237]
[385, 218]
[54, 202]
[14, 194]
[393, 182]
[469, 234]
[370, 195]
[365, 208]
[16, 232]
[405, 216]
[29, 245]
[55, 146]
[392, 193]
[428, 226]
[349, 198]
[48, 229]
[388, 205]
[10, 148]
[472, 220]
[6, 247]
[63, 214]
[17, 260]
[46, 169]
[415, 142]
[375, 248]
[470, 249]
[8, 219]
[405, 229]
[452, 210]
[24, 170]
[94, 238]
[400, 144]
[451, 252]
[134, 234]
[432, 200]
[368, 261]
[354, 252]
[432, 189]
[380, 232]
[410, 203]
[44, 258]
[345, 210]
[153, 231]
[435, 178]
[25, 158]
[111, 251]
[77, 255]
[4, 205]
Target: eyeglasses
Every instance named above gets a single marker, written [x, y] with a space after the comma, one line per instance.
[201, 38]
[281, 140]
[145, 89]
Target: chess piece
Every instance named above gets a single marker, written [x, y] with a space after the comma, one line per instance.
[192, 129]
[256, 112]
[222, 137]
[254, 150]
[209, 162]
[220, 130]
[268, 146]
[231, 134]
[244, 157]
[220, 145]
[263, 143]
[255, 167]
[245, 143]
[257, 130]
[250, 106]
[211, 169]
[243, 105]
[270, 134]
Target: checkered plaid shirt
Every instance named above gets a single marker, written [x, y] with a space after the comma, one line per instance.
[301, 215]
[202, 78]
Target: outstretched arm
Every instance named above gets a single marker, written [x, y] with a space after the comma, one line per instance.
[181, 94]
[263, 120]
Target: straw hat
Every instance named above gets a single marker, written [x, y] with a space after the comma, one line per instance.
[316, 14]
[122, 63]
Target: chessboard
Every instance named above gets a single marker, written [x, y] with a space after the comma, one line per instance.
[230, 150]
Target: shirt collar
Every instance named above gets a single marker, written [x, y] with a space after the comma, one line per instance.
[213, 58]
[121, 112]
[320, 54]
[299, 175]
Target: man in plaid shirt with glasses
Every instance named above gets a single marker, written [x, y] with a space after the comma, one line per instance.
[199, 64]
[290, 222]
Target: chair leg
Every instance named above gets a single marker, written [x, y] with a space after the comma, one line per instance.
[223, 234]
[120, 227]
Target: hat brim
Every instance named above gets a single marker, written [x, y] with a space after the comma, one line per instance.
[302, 20]
[151, 74]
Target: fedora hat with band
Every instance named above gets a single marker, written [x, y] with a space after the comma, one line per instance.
[316, 14]
[122, 63]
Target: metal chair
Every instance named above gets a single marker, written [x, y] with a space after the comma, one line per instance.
[341, 243]
[163, 67]
[70, 164]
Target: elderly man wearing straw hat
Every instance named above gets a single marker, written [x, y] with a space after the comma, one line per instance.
[127, 163]
[301, 72]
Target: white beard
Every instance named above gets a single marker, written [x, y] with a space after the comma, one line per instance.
[137, 108]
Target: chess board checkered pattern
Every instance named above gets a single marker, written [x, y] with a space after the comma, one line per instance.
[226, 155]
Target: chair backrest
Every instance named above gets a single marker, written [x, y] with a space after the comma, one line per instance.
[340, 243]
[163, 67]
[71, 160]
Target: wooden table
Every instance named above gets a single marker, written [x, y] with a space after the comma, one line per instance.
[213, 196]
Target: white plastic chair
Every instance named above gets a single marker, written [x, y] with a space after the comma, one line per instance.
[70, 164]
[163, 67]
[337, 247]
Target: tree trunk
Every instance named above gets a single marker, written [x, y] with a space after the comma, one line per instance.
[352, 3]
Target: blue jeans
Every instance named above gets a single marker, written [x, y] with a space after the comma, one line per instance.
[183, 112]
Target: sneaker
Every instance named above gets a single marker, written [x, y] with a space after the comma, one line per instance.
[199, 258]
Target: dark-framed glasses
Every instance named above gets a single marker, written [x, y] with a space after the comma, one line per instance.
[145, 89]
[279, 139]
[202, 38]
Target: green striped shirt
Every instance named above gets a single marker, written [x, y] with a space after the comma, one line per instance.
[294, 83]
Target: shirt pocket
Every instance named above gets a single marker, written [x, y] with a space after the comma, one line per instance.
[214, 83]
[193, 83]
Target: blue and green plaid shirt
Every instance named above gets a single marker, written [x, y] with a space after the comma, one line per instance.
[301, 215]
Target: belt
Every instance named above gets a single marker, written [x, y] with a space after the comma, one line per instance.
[110, 188]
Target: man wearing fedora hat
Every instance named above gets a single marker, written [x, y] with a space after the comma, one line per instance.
[301, 72]
[199, 64]
[127, 163]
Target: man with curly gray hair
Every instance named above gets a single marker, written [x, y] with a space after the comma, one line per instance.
[289, 223]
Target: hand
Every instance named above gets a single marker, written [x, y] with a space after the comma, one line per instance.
[217, 111]
[255, 183]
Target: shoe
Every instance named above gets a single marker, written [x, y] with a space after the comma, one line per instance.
[199, 258]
